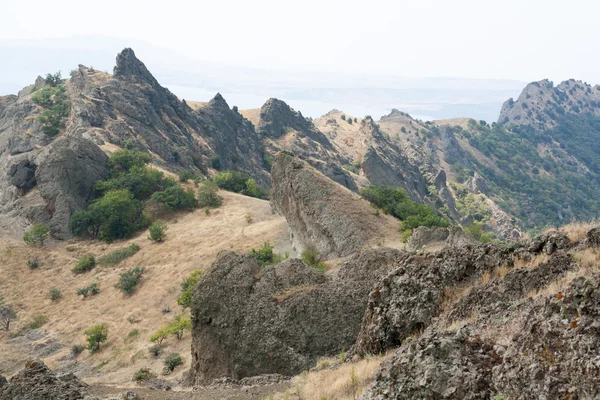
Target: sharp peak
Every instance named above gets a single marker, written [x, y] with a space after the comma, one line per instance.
[129, 66]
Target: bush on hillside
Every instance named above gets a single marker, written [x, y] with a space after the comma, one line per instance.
[176, 198]
[84, 264]
[157, 231]
[129, 280]
[396, 202]
[119, 255]
[95, 336]
[239, 182]
[172, 361]
[266, 256]
[187, 286]
[54, 294]
[37, 234]
[310, 256]
[208, 197]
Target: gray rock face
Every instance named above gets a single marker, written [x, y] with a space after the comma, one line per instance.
[425, 236]
[438, 365]
[556, 353]
[37, 382]
[250, 319]
[406, 300]
[286, 129]
[507, 342]
[66, 174]
[22, 174]
[321, 213]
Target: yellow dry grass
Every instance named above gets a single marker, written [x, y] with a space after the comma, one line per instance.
[252, 115]
[196, 105]
[193, 241]
[344, 381]
[533, 263]
[576, 230]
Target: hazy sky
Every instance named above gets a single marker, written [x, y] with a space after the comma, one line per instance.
[510, 39]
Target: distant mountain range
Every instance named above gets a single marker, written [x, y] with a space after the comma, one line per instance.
[314, 93]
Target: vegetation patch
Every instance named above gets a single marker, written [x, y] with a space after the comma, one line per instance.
[240, 182]
[396, 202]
[55, 106]
[187, 286]
[119, 255]
[266, 256]
[129, 280]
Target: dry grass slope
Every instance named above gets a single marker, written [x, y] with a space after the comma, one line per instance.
[193, 241]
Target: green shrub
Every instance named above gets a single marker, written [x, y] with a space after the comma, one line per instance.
[172, 361]
[253, 189]
[33, 262]
[37, 234]
[56, 108]
[84, 264]
[179, 326]
[38, 321]
[143, 374]
[53, 79]
[215, 162]
[119, 255]
[91, 290]
[264, 255]
[185, 176]
[116, 215]
[141, 182]
[477, 231]
[208, 197]
[311, 257]
[157, 231]
[176, 198]
[233, 181]
[55, 294]
[122, 161]
[155, 350]
[129, 280]
[395, 201]
[95, 336]
[187, 287]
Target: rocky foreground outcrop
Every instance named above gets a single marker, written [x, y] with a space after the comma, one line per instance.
[494, 338]
[37, 382]
[321, 213]
[250, 319]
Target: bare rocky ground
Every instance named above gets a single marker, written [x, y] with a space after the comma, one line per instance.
[209, 393]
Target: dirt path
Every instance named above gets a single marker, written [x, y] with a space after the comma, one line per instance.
[233, 393]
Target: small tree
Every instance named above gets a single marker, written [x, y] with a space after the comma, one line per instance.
[96, 335]
[208, 197]
[179, 326]
[37, 234]
[7, 315]
[160, 335]
[157, 231]
[53, 79]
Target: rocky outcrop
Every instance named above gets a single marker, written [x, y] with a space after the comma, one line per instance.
[541, 102]
[438, 365]
[552, 354]
[37, 382]
[511, 332]
[250, 319]
[66, 173]
[424, 237]
[321, 213]
[286, 129]
[406, 300]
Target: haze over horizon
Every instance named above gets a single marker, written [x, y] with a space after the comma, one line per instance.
[431, 58]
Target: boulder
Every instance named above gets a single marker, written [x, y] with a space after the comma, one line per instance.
[321, 213]
[250, 320]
